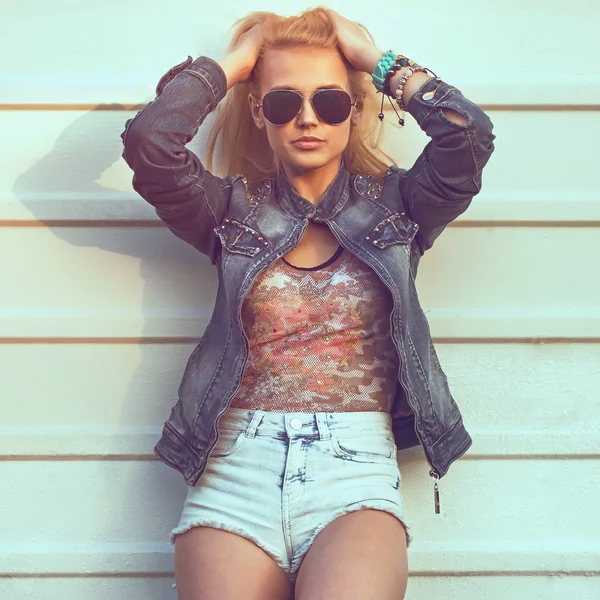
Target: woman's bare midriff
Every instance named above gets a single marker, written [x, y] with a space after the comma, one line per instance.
[318, 244]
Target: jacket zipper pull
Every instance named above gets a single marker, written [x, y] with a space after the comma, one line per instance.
[436, 491]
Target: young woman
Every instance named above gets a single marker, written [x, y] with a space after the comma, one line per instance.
[317, 365]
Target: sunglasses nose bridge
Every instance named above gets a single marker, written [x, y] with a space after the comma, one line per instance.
[306, 100]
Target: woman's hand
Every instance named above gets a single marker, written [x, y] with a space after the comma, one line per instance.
[360, 51]
[240, 61]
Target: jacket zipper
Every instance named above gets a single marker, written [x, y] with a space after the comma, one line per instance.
[241, 326]
[432, 472]
[436, 491]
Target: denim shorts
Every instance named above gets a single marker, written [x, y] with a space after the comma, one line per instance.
[278, 479]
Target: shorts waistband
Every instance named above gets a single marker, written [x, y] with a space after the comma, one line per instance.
[298, 424]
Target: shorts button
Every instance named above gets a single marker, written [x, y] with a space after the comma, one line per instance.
[295, 423]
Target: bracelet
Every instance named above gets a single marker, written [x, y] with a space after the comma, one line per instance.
[400, 87]
[381, 68]
[401, 61]
[382, 75]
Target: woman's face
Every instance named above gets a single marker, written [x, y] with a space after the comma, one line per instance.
[304, 69]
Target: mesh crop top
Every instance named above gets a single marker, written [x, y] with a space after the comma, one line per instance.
[319, 339]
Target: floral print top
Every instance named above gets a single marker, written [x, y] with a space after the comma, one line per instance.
[319, 339]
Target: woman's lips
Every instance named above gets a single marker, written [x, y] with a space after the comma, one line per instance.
[308, 144]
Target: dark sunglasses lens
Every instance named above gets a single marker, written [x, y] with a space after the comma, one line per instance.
[281, 106]
[333, 106]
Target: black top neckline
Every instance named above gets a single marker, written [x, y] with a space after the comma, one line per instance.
[317, 267]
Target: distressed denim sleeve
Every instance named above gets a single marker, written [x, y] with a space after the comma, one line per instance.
[187, 197]
[447, 175]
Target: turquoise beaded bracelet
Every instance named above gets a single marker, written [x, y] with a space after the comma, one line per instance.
[381, 69]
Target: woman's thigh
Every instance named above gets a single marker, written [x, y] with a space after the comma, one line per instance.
[213, 564]
[361, 555]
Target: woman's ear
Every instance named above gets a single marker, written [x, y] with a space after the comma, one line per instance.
[255, 110]
[357, 111]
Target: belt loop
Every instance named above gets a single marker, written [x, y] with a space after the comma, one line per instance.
[254, 423]
[324, 432]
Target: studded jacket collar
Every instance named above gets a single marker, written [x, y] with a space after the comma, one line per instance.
[332, 200]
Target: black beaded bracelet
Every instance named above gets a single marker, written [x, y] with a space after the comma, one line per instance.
[401, 61]
[386, 84]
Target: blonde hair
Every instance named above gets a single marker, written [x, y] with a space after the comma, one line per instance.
[244, 148]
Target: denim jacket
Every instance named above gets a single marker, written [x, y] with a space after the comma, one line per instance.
[388, 222]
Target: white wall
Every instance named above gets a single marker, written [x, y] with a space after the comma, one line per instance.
[100, 305]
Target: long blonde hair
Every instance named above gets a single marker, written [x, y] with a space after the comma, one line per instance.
[244, 148]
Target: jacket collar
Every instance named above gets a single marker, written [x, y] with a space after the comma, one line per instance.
[331, 202]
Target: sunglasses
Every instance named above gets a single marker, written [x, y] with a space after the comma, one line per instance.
[281, 106]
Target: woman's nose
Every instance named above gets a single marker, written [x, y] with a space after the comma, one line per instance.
[307, 113]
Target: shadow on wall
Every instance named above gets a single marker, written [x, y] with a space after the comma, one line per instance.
[168, 267]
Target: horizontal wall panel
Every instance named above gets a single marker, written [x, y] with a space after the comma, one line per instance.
[104, 282]
[181, 325]
[420, 585]
[499, 387]
[151, 586]
[37, 209]
[140, 501]
[570, 324]
[79, 442]
[506, 587]
[52, 93]
[500, 209]
[513, 208]
[91, 502]
[151, 41]
[136, 443]
[39, 180]
[90, 385]
[122, 282]
[463, 561]
[506, 503]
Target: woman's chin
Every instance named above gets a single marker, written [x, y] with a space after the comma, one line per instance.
[312, 159]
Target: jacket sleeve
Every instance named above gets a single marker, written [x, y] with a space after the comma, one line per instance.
[188, 198]
[447, 175]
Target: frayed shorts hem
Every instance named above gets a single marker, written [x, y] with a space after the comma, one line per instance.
[225, 527]
[382, 505]
[292, 572]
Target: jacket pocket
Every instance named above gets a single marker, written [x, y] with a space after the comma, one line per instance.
[239, 238]
[396, 228]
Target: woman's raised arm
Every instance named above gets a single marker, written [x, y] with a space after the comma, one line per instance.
[186, 196]
[445, 177]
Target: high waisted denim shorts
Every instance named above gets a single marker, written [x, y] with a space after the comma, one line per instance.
[278, 479]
